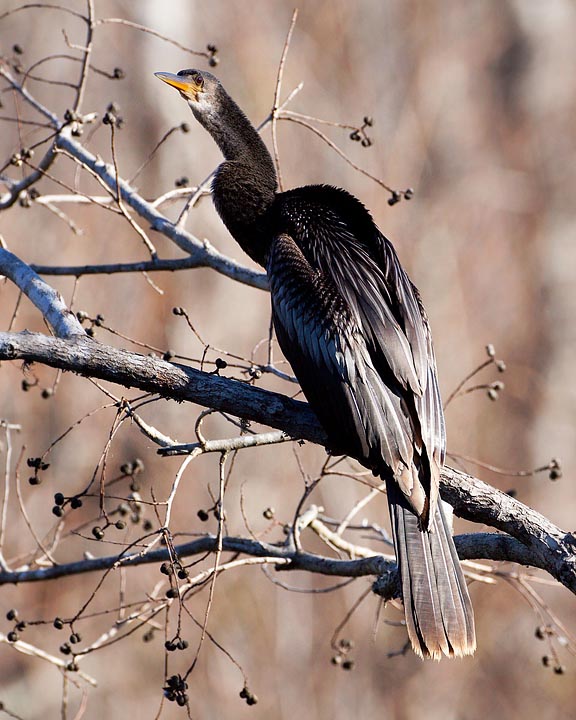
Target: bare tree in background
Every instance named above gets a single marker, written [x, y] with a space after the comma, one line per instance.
[110, 519]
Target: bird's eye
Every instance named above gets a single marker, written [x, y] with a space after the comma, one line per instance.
[198, 80]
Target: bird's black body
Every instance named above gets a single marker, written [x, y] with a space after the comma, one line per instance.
[352, 326]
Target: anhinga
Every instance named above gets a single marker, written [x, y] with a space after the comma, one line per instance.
[352, 325]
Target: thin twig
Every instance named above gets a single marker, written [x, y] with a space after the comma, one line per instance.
[217, 556]
[81, 85]
[155, 33]
[122, 207]
[277, 92]
[337, 150]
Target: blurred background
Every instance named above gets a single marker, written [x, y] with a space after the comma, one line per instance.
[473, 106]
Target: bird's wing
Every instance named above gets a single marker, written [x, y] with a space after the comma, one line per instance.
[327, 334]
[414, 321]
[355, 332]
[389, 312]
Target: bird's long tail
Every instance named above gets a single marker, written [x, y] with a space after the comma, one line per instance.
[439, 615]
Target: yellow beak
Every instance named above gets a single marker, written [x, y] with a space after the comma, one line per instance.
[176, 81]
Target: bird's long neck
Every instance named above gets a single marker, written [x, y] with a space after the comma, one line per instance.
[245, 185]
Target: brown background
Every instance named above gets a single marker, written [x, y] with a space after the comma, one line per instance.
[474, 107]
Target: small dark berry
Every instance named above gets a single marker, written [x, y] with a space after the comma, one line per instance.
[57, 510]
[59, 498]
[58, 623]
[182, 574]
[65, 649]
[171, 593]
[185, 127]
[12, 614]
[348, 665]
[98, 532]
[75, 638]
[47, 393]
[165, 568]
[75, 503]
[21, 625]
[220, 364]
[203, 515]
[147, 525]
[34, 480]
[119, 74]
[12, 636]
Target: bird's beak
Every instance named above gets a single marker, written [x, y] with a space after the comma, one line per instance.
[187, 89]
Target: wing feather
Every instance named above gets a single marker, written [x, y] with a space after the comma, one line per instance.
[354, 329]
[328, 352]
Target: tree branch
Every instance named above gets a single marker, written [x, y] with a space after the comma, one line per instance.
[46, 299]
[543, 544]
[474, 546]
[201, 254]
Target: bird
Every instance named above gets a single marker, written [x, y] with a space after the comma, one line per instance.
[355, 332]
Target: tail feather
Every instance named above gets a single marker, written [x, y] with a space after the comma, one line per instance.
[439, 616]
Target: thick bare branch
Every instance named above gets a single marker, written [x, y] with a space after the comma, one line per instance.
[546, 546]
[485, 545]
[177, 382]
[47, 300]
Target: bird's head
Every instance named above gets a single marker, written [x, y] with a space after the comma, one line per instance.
[200, 89]
[218, 113]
